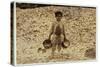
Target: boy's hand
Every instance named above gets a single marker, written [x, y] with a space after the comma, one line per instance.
[49, 38]
[65, 39]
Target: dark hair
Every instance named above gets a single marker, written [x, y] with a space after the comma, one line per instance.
[58, 13]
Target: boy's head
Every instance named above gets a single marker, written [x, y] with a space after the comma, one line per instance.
[58, 15]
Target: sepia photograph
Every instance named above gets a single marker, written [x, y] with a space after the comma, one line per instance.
[48, 33]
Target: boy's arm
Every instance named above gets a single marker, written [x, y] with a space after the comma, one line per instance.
[64, 33]
[51, 31]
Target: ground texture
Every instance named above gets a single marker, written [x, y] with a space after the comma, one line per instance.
[33, 26]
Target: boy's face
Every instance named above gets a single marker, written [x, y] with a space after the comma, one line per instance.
[58, 17]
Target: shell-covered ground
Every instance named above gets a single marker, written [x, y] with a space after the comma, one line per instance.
[33, 25]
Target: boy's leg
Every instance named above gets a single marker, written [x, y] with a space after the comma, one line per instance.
[60, 40]
[53, 49]
[59, 47]
[53, 41]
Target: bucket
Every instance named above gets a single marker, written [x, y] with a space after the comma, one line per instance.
[66, 44]
[47, 44]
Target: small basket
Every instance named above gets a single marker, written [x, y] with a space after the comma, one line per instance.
[47, 44]
[66, 44]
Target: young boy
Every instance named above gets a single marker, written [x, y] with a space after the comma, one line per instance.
[57, 33]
